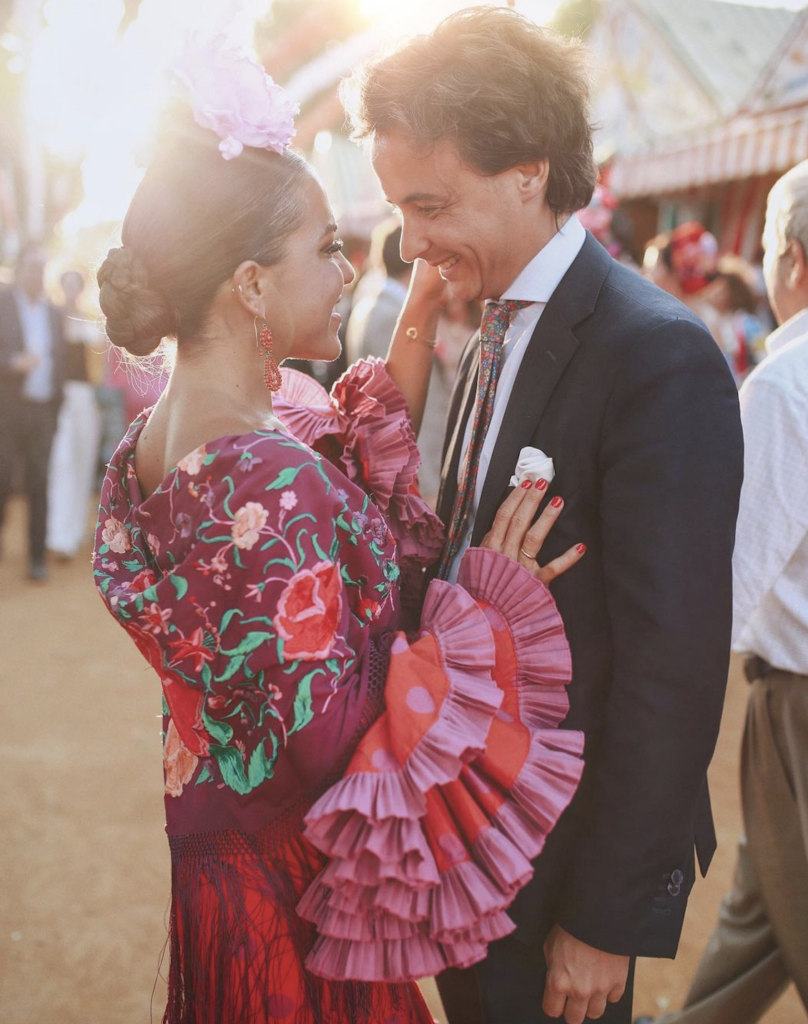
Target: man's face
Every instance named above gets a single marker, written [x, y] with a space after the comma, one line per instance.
[469, 225]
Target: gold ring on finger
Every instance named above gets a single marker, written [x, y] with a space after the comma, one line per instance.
[527, 554]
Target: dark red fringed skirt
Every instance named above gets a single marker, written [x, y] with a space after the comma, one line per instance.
[237, 946]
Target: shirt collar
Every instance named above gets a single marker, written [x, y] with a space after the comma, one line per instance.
[795, 327]
[540, 278]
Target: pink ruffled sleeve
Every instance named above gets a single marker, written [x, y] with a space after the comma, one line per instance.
[364, 428]
[453, 791]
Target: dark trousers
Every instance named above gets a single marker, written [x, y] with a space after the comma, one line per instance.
[508, 986]
[26, 436]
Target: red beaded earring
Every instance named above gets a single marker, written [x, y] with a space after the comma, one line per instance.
[272, 373]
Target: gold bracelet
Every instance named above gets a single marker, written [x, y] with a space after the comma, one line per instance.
[412, 334]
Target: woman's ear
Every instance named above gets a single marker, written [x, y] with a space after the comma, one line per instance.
[250, 286]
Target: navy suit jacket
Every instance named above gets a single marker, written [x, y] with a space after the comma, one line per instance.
[626, 390]
[12, 343]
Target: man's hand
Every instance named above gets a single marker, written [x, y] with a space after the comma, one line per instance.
[580, 978]
[24, 362]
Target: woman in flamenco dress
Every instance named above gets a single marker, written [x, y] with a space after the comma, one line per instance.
[350, 806]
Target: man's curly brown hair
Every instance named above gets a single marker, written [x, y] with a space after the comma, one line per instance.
[504, 90]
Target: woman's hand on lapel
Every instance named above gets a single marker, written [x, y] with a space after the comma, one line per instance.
[514, 533]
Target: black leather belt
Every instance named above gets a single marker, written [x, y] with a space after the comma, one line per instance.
[756, 668]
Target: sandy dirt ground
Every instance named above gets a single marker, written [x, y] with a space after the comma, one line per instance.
[84, 870]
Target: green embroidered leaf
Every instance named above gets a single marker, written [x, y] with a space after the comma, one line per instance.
[302, 705]
[233, 666]
[219, 731]
[250, 642]
[228, 615]
[150, 593]
[232, 768]
[285, 478]
[204, 776]
[206, 675]
[262, 767]
[132, 564]
[180, 585]
[104, 549]
[209, 458]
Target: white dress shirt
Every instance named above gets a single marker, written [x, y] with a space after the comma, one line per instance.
[535, 284]
[770, 565]
[38, 340]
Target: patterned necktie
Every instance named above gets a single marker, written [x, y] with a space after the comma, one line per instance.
[496, 319]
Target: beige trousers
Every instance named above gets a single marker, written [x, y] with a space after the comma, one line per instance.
[760, 942]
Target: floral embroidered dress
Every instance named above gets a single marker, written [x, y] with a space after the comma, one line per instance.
[348, 807]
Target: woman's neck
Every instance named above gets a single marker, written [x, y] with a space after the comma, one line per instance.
[221, 382]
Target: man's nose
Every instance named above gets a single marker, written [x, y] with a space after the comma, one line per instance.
[414, 242]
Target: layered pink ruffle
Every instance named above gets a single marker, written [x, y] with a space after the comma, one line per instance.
[516, 600]
[428, 853]
[364, 427]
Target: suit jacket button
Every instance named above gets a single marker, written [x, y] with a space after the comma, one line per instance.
[677, 877]
[674, 889]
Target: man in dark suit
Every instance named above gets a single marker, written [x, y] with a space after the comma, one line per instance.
[480, 136]
[31, 385]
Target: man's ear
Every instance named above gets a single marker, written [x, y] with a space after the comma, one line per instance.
[798, 272]
[532, 179]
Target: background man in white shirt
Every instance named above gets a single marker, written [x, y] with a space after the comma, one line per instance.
[761, 940]
[480, 135]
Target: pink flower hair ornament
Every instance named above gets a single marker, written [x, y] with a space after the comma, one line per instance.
[232, 95]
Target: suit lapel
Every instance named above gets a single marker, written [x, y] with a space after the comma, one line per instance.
[550, 349]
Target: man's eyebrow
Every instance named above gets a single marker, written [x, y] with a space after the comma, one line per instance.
[416, 197]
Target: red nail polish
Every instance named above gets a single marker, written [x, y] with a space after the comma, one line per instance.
[581, 549]
[557, 502]
[525, 485]
[541, 485]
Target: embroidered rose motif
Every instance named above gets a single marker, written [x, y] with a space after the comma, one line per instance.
[193, 462]
[248, 522]
[114, 534]
[184, 701]
[179, 763]
[309, 612]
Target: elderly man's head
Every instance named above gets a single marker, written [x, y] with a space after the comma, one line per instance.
[785, 241]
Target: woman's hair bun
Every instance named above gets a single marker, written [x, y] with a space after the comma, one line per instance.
[138, 316]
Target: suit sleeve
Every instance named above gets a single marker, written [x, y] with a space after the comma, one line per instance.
[671, 468]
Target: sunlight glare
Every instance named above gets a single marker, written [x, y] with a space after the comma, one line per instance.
[94, 96]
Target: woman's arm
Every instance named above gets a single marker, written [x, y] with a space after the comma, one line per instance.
[411, 352]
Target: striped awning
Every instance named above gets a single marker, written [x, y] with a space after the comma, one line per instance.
[744, 147]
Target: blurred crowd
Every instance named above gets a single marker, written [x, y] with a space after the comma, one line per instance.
[65, 403]
[67, 397]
